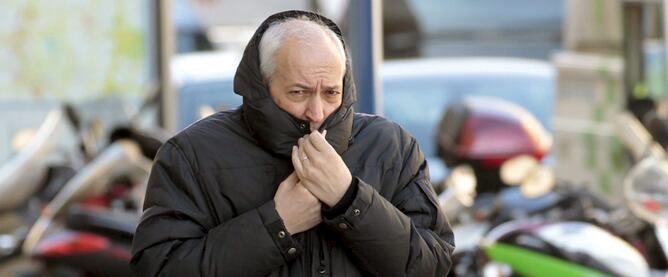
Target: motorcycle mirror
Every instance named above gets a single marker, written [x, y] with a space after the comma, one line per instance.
[539, 182]
[514, 171]
[637, 138]
[21, 175]
[463, 180]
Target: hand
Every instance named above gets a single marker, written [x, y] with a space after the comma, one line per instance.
[296, 206]
[320, 169]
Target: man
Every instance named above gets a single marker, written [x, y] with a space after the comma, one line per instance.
[293, 183]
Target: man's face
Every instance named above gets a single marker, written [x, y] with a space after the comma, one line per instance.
[308, 80]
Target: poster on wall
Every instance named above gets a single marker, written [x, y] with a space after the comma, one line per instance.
[97, 55]
[73, 50]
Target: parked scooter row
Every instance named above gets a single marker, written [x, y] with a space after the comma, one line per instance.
[88, 227]
[85, 227]
[510, 214]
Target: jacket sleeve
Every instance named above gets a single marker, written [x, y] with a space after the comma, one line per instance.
[407, 235]
[177, 237]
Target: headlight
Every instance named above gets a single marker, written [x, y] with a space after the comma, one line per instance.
[646, 189]
[534, 179]
[463, 180]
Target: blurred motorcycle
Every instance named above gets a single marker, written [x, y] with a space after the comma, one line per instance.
[518, 233]
[506, 209]
[485, 132]
[87, 229]
[44, 160]
[645, 188]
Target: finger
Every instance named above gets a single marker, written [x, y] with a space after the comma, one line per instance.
[324, 133]
[301, 141]
[306, 189]
[303, 155]
[309, 149]
[297, 162]
[319, 142]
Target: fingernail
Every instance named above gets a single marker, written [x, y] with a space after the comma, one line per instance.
[324, 133]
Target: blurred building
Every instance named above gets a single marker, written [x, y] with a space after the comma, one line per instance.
[411, 28]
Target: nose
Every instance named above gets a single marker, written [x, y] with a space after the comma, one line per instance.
[314, 112]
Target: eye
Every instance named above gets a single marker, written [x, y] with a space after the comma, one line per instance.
[332, 93]
[297, 95]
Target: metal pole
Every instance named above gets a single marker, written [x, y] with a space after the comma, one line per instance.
[664, 19]
[164, 38]
[364, 34]
[633, 38]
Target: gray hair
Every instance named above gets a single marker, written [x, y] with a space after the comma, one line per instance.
[294, 27]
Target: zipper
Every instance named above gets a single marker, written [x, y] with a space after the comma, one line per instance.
[322, 267]
[307, 253]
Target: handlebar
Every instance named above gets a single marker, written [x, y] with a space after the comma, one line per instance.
[636, 138]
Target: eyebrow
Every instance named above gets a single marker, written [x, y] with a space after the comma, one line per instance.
[336, 87]
[299, 85]
[307, 87]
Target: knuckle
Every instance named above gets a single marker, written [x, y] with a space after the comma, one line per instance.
[308, 172]
[313, 170]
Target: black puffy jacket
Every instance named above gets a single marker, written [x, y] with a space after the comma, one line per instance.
[209, 206]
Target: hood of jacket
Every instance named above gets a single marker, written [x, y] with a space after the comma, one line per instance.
[273, 128]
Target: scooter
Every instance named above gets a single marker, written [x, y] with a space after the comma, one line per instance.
[484, 132]
[483, 156]
[44, 161]
[88, 228]
[512, 233]
[645, 188]
[630, 248]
